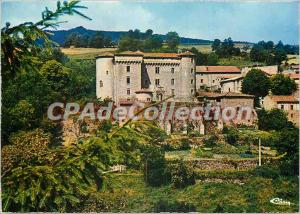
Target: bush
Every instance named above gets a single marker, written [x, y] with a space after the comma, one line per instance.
[185, 144]
[194, 134]
[176, 206]
[203, 154]
[155, 170]
[266, 172]
[182, 175]
[232, 135]
[211, 141]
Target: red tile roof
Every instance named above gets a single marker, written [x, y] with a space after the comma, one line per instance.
[154, 55]
[284, 99]
[293, 76]
[218, 69]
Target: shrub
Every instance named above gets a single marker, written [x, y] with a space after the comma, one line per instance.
[176, 206]
[185, 144]
[232, 135]
[194, 134]
[155, 170]
[182, 175]
[211, 141]
[203, 154]
[266, 172]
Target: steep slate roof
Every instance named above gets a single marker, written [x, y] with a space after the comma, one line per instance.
[217, 69]
[284, 99]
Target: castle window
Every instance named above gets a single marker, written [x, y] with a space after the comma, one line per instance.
[201, 80]
[172, 81]
[282, 107]
[146, 82]
[292, 115]
[106, 72]
[292, 107]
[128, 68]
[192, 81]
[213, 81]
[172, 70]
[148, 99]
[192, 91]
[128, 80]
[101, 83]
[128, 91]
[157, 70]
[192, 70]
[172, 92]
[156, 82]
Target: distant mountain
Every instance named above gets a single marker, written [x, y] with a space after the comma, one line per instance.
[60, 36]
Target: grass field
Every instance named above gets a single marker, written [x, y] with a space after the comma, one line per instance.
[293, 59]
[250, 194]
[86, 52]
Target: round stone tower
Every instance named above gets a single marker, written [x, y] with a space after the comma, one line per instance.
[105, 76]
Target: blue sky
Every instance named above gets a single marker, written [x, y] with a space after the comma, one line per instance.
[250, 21]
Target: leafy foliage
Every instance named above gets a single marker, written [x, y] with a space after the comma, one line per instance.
[155, 168]
[256, 83]
[281, 85]
[182, 175]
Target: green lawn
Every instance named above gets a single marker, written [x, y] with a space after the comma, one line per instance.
[253, 194]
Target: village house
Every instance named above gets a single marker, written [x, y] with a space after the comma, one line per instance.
[145, 76]
[234, 84]
[289, 104]
[210, 76]
[230, 99]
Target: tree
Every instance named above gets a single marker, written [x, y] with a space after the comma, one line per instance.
[152, 43]
[256, 83]
[96, 41]
[274, 119]
[212, 59]
[216, 44]
[56, 74]
[172, 40]
[148, 33]
[200, 58]
[281, 85]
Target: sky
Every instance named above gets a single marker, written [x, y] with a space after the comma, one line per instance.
[251, 21]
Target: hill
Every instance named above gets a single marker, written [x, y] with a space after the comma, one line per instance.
[59, 36]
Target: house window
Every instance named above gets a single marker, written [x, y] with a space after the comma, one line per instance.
[106, 72]
[292, 107]
[192, 81]
[282, 107]
[128, 80]
[128, 91]
[201, 80]
[213, 81]
[172, 92]
[172, 81]
[128, 68]
[172, 70]
[157, 70]
[101, 83]
[192, 70]
[156, 82]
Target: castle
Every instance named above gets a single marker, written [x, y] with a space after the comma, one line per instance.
[145, 77]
